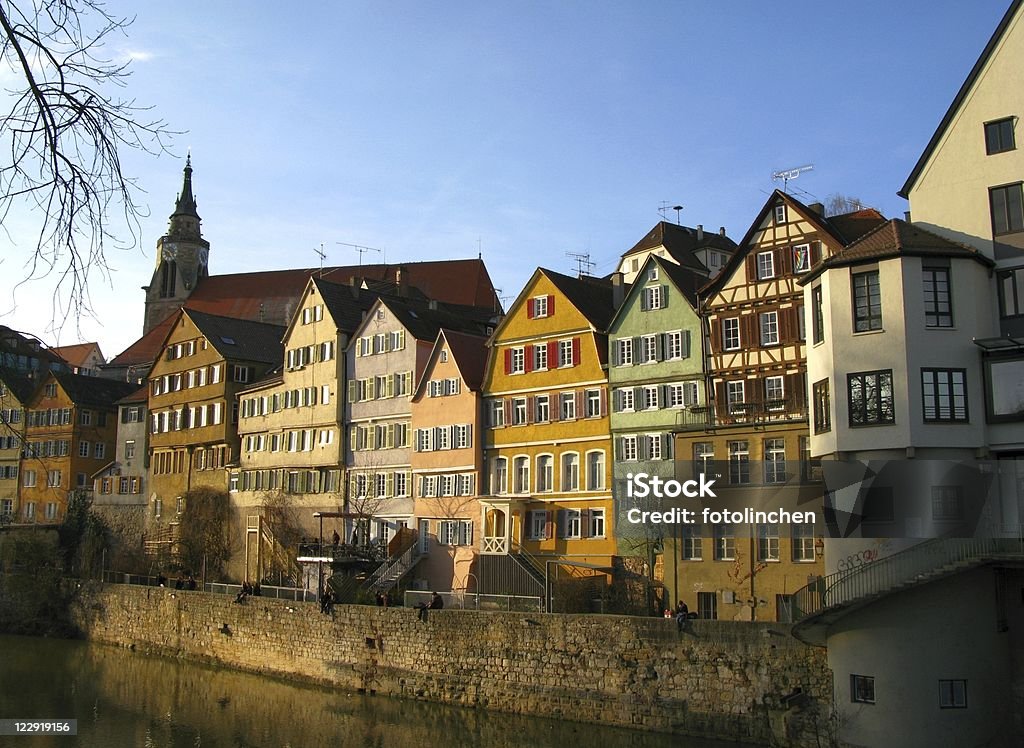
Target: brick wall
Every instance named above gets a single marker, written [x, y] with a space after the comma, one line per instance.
[720, 679]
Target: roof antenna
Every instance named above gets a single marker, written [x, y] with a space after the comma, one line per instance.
[583, 263]
[786, 174]
[360, 249]
[322, 255]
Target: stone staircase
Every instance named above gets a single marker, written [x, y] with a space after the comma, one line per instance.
[826, 599]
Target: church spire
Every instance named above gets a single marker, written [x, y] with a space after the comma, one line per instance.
[185, 220]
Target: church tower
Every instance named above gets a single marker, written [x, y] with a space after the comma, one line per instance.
[182, 259]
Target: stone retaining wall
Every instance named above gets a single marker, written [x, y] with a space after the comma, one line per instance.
[719, 679]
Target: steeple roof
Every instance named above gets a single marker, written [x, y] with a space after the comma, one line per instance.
[186, 205]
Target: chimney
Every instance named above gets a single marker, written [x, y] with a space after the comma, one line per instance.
[700, 232]
[432, 304]
[618, 289]
[906, 216]
[817, 208]
[402, 280]
[721, 230]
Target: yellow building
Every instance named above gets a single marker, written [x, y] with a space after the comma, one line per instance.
[547, 442]
[204, 361]
[15, 391]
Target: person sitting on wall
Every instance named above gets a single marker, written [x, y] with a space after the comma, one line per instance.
[191, 584]
[682, 615]
[161, 580]
[179, 583]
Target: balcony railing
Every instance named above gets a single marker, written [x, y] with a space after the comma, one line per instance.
[701, 417]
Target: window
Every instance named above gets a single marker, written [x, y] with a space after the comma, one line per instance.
[818, 315]
[801, 258]
[774, 395]
[952, 694]
[50, 390]
[570, 523]
[867, 302]
[540, 306]
[654, 447]
[650, 397]
[803, 542]
[648, 349]
[597, 524]
[518, 411]
[692, 546]
[769, 328]
[625, 398]
[652, 273]
[999, 136]
[624, 348]
[947, 503]
[570, 471]
[682, 394]
[567, 406]
[945, 395]
[85, 418]
[822, 407]
[725, 542]
[30, 510]
[518, 359]
[593, 402]
[703, 457]
[780, 214]
[731, 334]
[765, 265]
[51, 510]
[100, 451]
[83, 448]
[862, 689]
[938, 304]
[595, 471]
[774, 461]
[1007, 209]
[674, 345]
[652, 298]
[545, 473]
[497, 413]
[53, 479]
[521, 474]
[734, 394]
[870, 397]
[566, 349]
[538, 528]
[629, 451]
[500, 480]
[540, 357]
[768, 542]
[542, 409]
[739, 462]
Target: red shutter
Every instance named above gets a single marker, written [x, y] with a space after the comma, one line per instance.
[531, 408]
[721, 405]
[604, 402]
[787, 260]
[575, 351]
[585, 523]
[785, 317]
[528, 358]
[508, 411]
[555, 406]
[748, 327]
[508, 360]
[551, 305]
[718, 333]
[553, 354]
[529, 309]
[751, 268]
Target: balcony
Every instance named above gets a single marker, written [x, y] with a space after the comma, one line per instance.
[705, 417]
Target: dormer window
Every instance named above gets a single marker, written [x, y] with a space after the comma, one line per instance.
[999, 136]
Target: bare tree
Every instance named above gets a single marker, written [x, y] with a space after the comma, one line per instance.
[65, 131]
[837, 204]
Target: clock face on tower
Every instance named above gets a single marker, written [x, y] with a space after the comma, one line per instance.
[169, 251]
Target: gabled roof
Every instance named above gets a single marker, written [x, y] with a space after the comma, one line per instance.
[682, 242]
[423, 320]
[141, 395]
[591, 296]
[961, 95]
[240, 339]
[143, 352]
[84, 390]
[896, 238]
[842, 229]
[78, 354]
[686, 281]
[470, 354]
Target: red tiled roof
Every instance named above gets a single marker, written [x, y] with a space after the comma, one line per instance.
[77, 355]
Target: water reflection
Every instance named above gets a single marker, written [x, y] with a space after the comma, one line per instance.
[122, 698]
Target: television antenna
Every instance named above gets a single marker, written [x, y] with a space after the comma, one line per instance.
[786, 174]
[583, 263]
[322, 255]
[362, 250]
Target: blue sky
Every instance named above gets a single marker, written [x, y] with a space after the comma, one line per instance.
[520, 130]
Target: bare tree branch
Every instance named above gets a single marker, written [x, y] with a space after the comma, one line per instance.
[65, 131]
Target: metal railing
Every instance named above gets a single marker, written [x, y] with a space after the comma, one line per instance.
[699, 417]
[388, 574]
[461, 600]
[298, 594]
[927, 560]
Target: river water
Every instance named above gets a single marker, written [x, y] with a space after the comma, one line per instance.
[123, 699]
